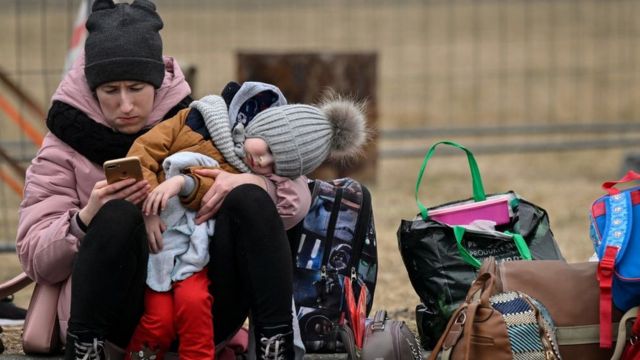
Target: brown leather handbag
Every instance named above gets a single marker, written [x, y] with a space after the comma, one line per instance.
[571, 294]
[502, 326]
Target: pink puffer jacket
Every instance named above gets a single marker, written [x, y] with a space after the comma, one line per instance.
[59, 182]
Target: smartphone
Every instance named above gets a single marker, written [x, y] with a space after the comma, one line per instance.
[123, 168]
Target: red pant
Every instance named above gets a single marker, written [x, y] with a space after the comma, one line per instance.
[184, 311]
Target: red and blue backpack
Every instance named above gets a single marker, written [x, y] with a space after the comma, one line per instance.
[615, 232]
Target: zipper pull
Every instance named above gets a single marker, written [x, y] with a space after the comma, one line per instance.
[320, 285]
[354, 277]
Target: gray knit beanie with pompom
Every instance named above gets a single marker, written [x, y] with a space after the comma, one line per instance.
[301, 137]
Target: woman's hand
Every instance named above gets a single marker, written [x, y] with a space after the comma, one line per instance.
[102, 192]
[223, 184]
[157, 199]
[155, 227]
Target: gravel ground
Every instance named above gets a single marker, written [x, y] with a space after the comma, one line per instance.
[11, 339]
[11, 335]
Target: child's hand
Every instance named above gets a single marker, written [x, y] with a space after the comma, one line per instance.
[155, 227]
[157, 199]
[102, 192]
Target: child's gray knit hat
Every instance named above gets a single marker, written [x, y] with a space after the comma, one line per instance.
[301, 137]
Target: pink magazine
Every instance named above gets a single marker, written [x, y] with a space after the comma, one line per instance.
[495, 209]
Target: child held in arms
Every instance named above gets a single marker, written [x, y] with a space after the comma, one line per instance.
[264, 136]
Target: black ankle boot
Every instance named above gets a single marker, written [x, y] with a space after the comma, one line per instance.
[274, 342]
[84, 346]
[10, 314]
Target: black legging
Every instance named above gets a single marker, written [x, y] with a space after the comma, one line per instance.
[250, 266]
[109, 274]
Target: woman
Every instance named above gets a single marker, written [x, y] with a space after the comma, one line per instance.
[74, 225]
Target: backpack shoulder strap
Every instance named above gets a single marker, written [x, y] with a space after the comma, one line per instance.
[614, 243]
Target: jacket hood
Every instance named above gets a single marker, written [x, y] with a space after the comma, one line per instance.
[74, 90]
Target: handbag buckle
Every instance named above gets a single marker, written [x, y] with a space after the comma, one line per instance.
[377, 326]
[379, 320]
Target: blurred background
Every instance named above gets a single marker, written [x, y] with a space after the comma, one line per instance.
[544, 92]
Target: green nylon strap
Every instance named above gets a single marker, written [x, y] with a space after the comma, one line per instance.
[522, 246]
[459, 231]
[476, 179]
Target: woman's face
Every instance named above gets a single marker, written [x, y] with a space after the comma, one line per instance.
[258, 156]
[126, 104]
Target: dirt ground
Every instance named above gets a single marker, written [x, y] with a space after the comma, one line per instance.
[565, 184]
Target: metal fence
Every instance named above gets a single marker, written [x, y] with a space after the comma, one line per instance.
[548, 71]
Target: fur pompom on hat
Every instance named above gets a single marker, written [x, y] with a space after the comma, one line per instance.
[301, 136]
[123, 43]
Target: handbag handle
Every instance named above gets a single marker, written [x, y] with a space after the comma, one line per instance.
[623, 335]
[521, 245]
[630, 176]
[478, 188]
[461, 321]
[457, 321]
[485, 284]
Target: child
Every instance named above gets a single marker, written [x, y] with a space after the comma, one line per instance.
[189, 136]
[279, 167]
[293, 140]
